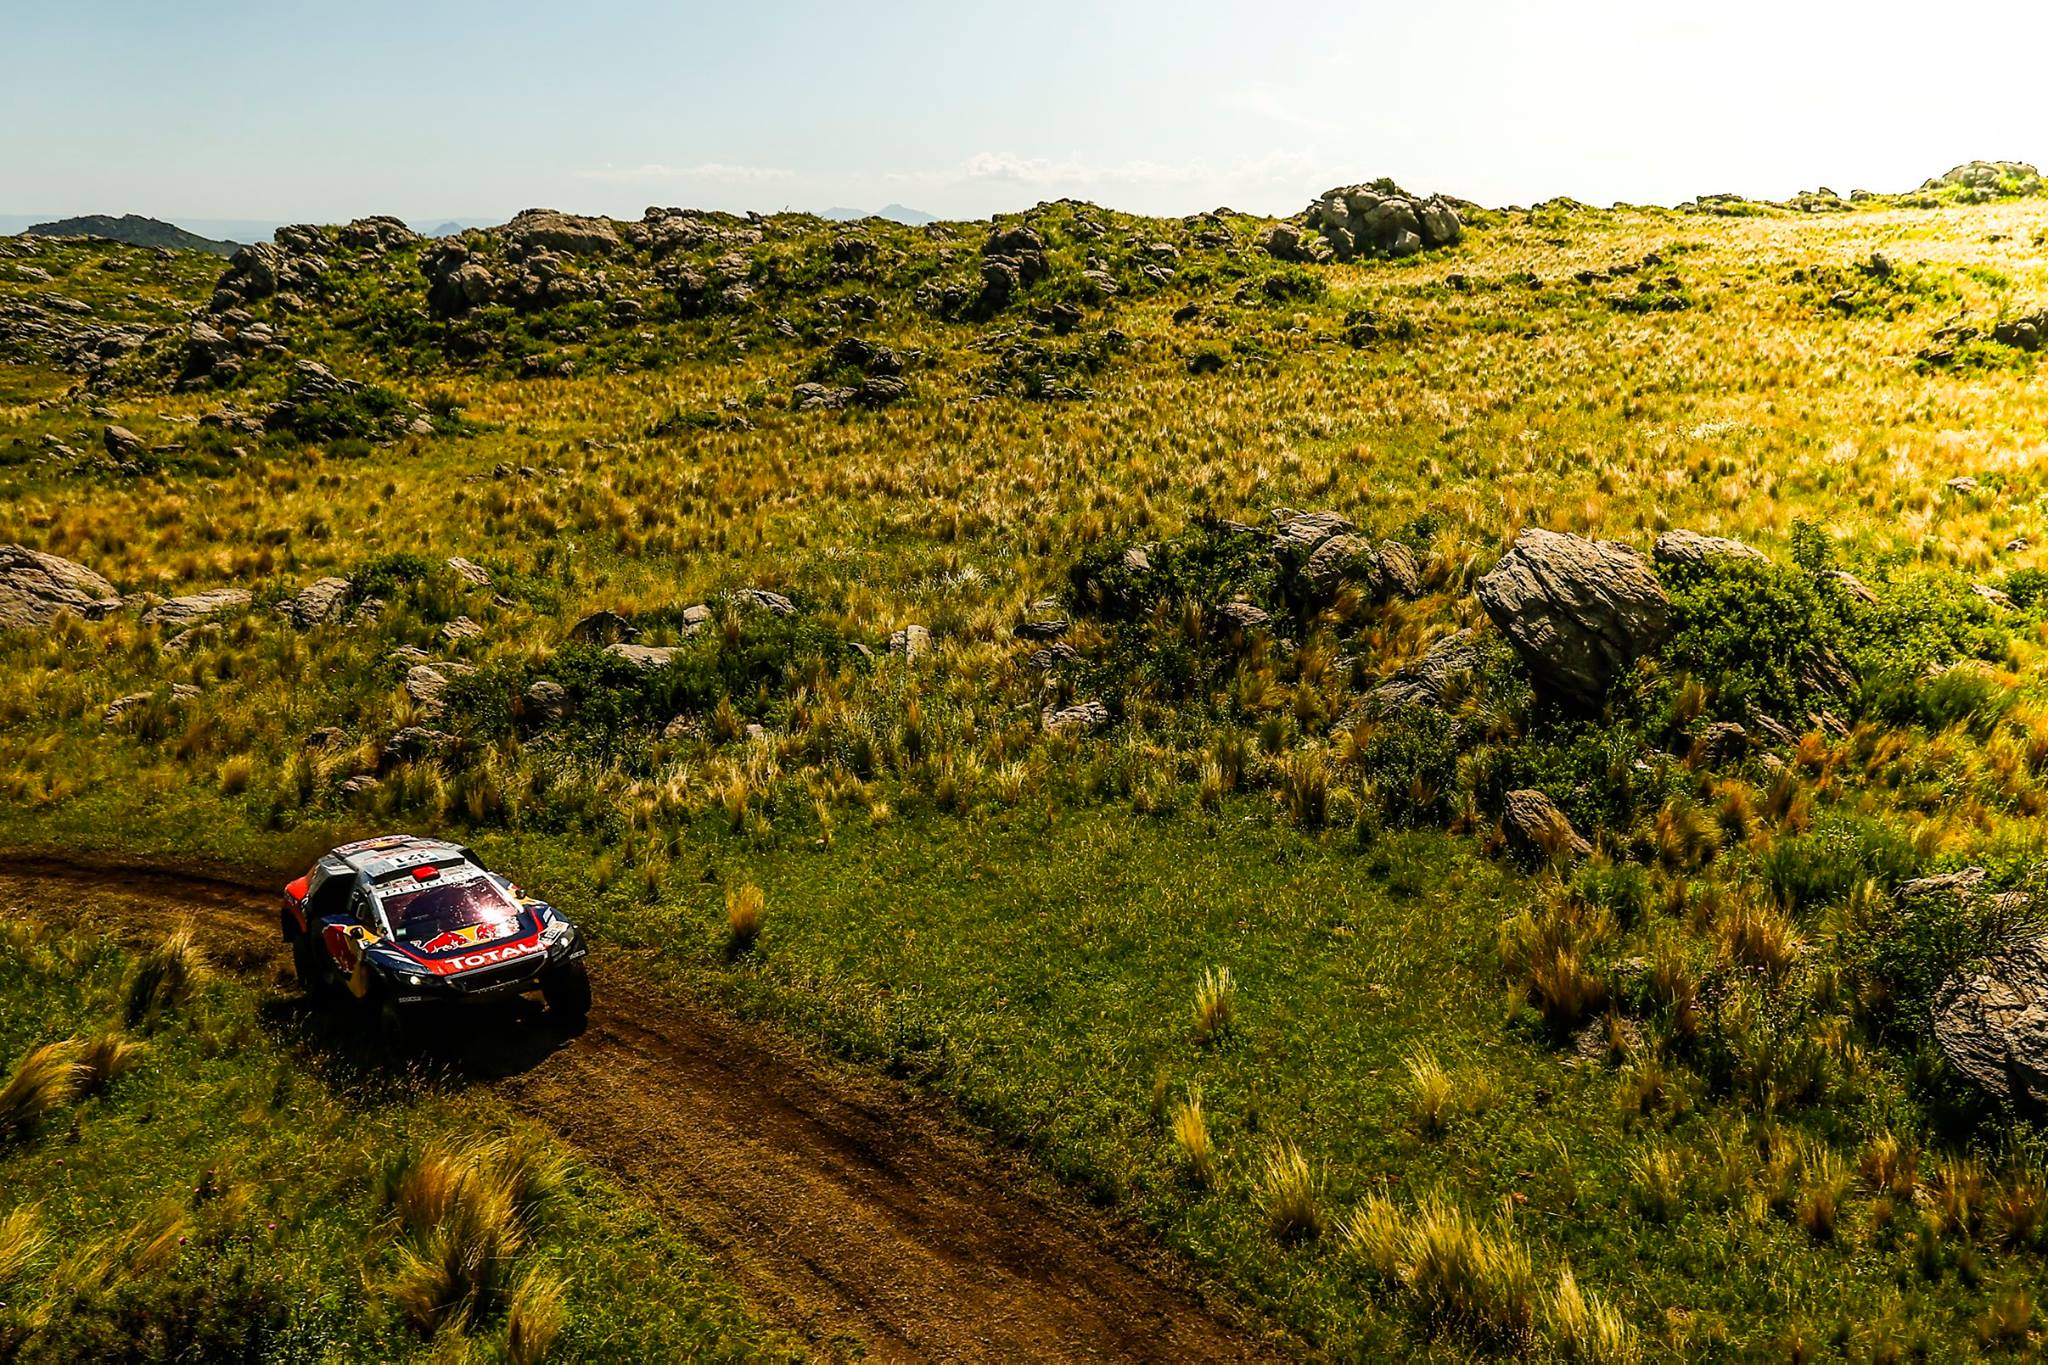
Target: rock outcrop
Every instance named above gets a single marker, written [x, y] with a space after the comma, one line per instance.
[1382, 219]
[1579, 612]
[36, 587]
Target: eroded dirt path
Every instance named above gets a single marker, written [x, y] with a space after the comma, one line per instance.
[847, 1208]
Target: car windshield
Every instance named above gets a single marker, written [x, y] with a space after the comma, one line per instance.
[431, 914]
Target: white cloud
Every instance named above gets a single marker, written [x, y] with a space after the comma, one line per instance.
[707, 172]
[1276, 104]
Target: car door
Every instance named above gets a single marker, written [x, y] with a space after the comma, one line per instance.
[347, 935]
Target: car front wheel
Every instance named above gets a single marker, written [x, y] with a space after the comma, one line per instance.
[567, 990]
[307, 964]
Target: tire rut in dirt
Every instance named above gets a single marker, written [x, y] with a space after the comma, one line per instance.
[844, 1206]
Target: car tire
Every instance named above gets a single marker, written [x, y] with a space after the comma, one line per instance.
[394, 1023]
[307, 962]
[567, 990]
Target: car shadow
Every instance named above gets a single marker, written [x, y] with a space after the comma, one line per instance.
[446, 1050]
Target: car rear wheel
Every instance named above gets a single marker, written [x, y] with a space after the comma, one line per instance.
[567, 990]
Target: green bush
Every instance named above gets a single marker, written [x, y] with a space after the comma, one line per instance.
[1823, 867]
[1757, 634]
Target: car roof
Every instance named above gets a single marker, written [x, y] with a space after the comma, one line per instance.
[388, 854]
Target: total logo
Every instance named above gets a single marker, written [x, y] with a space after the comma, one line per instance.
[491, 955]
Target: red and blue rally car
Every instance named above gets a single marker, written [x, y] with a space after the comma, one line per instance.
[404, 923]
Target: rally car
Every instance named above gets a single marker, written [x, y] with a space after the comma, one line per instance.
[404, 923]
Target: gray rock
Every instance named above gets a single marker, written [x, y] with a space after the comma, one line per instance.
[1426, 681]
[1077, 718]
[415, 742]
[1992, 1024]
[1579, 612]
[1691, 550]
[1856, 589]
[1336, 559]
[1995, 596]
[123, 445]
[319, 602]
[474, 574]
[604, 628]
[426, 683]
[1964, 882]
[36, 587]
[361, 785]
[647, 656]
[1239, 614]
[811, 397]
[1722, 741]
[774, 603]
[461, 628]
[1297, 535]
[1535, 827]
[910, 642]
[695, 618]
[179, 612]
[547, 700]
[1400, 575]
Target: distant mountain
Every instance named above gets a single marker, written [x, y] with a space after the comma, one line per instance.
[895, 213]
[447, 229]
[133, 229]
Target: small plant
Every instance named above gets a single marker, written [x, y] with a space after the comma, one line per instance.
[1191, 1136]
[535, 1316]
[1587, 1328]
[21, 1237]
[744, 908]
[1468, 1278]
[1820, 1200]
[2019, 1209]
[1291, 1192]
[43, 1082]
[1215, 1004]
[104, 1057]
[163, 978]
[1657, 1183]
[1432, 1092]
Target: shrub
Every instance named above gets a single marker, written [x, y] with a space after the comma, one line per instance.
[1215, 1004]
[743, 910]
[43, 1081]
[1411, 766]
[1191, 1136]
[1432, 1092]
[163, 978]
[1291, 1193]
[1456, 1274]
[1758, 634]
[1821, 868]
[1587, 1328]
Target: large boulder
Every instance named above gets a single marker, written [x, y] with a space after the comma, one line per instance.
[1427, 681]
[1580, 612]
[537, 230]
[35, 588]
[1992, 1024]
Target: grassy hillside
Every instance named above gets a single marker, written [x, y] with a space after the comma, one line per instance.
[1241, 950]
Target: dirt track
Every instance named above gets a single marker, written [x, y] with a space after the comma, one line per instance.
[846, 1208]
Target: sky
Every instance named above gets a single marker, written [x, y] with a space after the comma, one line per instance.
[213, 110]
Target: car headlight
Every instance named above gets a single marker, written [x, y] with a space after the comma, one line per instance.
[415, 980]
